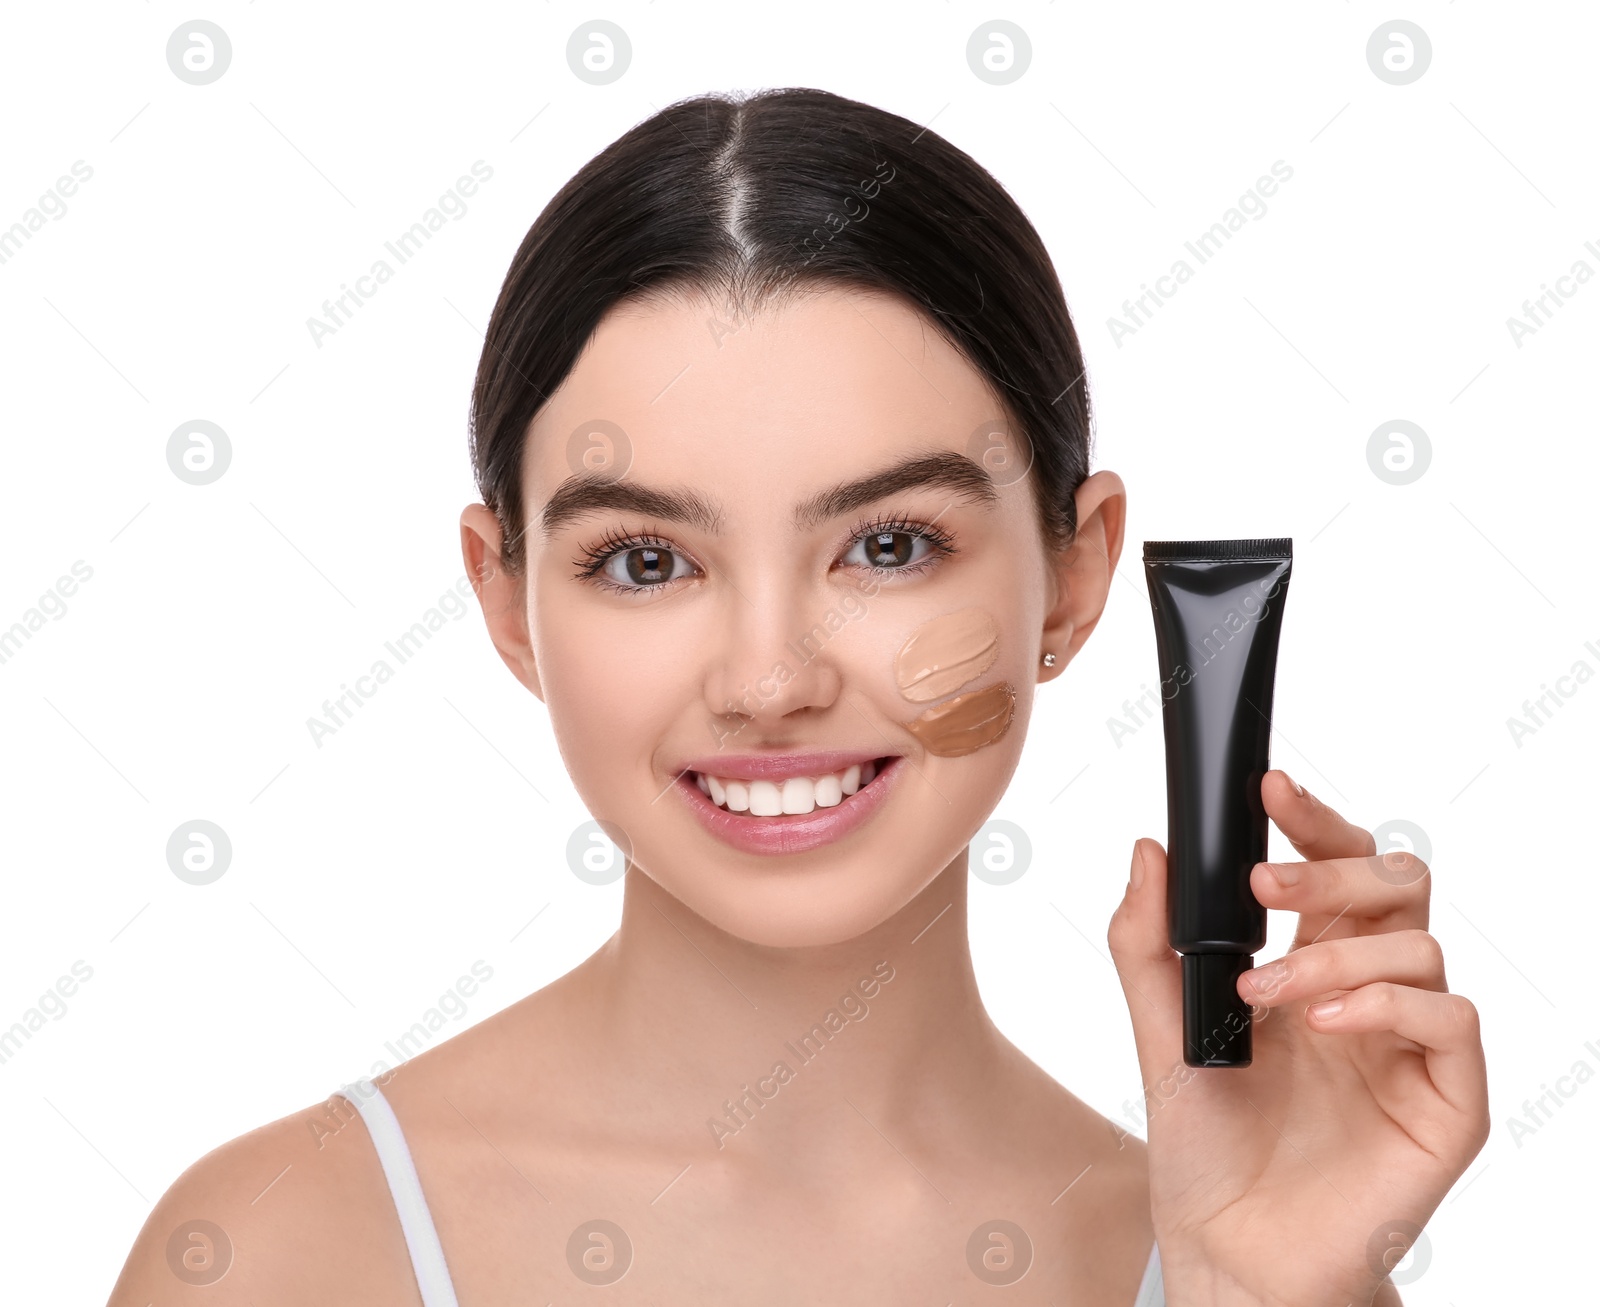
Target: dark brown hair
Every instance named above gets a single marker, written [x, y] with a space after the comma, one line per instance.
[740, 196]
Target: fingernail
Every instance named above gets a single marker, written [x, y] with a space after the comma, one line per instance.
[1298, 788]
[1136, 871]
[1286, 874]
[1322, 1011]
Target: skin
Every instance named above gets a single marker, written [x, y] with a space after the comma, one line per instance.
[862, 1179]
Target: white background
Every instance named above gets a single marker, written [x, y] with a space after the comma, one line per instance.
[367, 875]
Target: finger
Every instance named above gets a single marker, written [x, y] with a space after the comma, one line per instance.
[1346, 889]
[1315, 829]
[1150, 971]
[1404, 957]
[1446, 1025]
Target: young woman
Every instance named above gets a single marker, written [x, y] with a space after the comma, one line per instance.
[783, 443]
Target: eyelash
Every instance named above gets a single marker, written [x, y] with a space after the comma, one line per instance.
[615, 541]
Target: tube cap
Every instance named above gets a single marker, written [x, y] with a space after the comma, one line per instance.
[1216, 1021]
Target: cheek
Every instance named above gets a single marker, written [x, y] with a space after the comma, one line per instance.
[607, 696]
[937, 659]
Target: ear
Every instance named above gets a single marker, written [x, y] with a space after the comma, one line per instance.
[503, 597]
[1083, 572]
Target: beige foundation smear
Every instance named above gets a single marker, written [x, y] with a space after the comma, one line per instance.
[941, 656]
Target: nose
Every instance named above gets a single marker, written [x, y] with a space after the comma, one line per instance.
[770, 658]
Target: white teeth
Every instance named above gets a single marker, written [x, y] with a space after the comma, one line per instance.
[765, 800]
[793, 796]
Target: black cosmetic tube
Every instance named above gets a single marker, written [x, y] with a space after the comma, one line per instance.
[1218, 607]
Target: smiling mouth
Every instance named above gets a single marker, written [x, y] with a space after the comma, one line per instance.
[795, 796]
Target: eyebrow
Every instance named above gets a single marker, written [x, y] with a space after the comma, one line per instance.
[591, 492]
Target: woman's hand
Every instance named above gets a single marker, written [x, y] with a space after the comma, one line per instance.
[1302, 1178]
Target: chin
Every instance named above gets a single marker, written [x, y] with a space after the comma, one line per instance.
[798, 909]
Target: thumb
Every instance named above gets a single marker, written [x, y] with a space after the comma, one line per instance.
[1149, 968]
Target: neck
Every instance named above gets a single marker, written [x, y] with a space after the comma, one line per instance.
[767, 1054]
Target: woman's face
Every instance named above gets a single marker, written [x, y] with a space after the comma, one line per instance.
[711, 585]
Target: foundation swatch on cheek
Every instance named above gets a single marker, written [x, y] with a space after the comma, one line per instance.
[943, 654]
[967, 723]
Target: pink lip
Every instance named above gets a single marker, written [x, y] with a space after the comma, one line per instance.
[797, 833]
[775, 766]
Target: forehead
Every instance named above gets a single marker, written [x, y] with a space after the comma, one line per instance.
[756, 405]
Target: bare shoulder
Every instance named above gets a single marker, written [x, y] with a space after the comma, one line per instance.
[296, 1210]
[1095, 1170]
[299, 1210]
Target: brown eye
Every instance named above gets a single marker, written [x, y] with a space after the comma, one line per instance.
[644, 565]
[632, 565]
[889, 549]
[647, 566]
[898, 547]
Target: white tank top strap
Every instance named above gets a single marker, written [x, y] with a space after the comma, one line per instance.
[416, 1221]
[1151, 1291]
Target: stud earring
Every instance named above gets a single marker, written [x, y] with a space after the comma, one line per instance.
[1049, 660]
